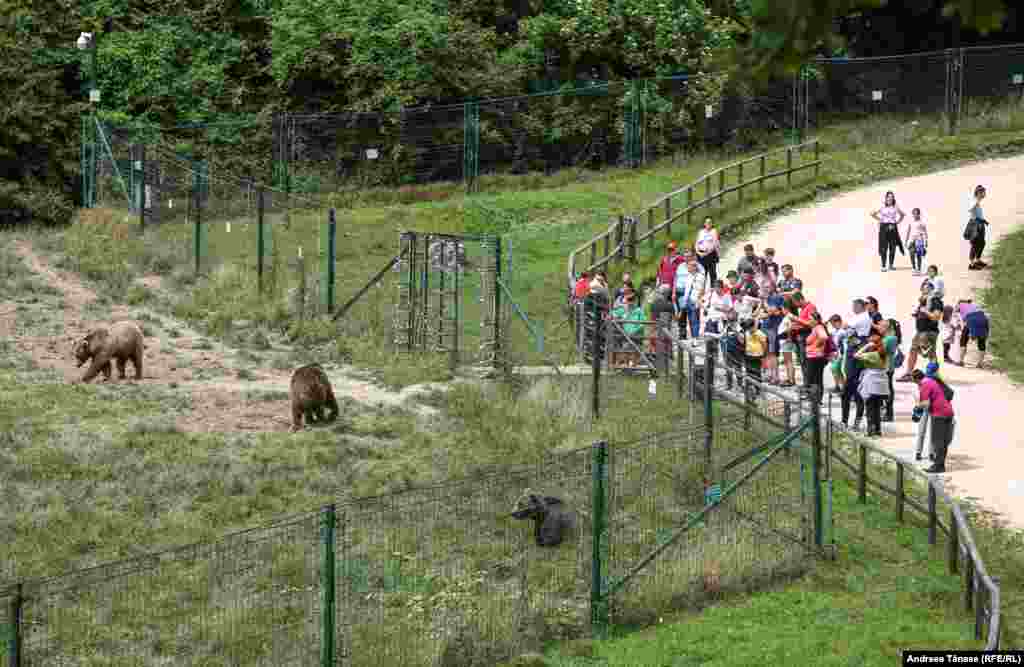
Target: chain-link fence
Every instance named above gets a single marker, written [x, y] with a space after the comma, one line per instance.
[466, 572]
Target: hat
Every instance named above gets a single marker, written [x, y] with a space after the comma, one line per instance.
[932, 369]
[672, 245]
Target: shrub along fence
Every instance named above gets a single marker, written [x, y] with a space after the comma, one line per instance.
[909, 489]
[445, 575]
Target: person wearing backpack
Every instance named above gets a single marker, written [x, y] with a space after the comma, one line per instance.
[873, 385]
[936, 397]
[892, 339]
[975, 230]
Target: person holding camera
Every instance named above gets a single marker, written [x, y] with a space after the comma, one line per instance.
[926, 316]
[935, 398]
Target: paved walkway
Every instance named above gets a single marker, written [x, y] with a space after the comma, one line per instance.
[833, 247]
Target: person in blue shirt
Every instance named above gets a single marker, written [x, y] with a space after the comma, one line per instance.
[688, 294]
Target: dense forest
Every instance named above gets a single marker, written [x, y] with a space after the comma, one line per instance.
[206, 60]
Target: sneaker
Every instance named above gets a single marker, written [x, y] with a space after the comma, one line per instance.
[935, 469]
[884, 269]
[907, 377]
[917, 456]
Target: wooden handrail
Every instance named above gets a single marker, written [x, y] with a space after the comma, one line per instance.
[628, 236]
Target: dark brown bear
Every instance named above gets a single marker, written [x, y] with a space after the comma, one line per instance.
[312, 396]
[122, 342]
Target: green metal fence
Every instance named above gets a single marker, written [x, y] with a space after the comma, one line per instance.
[443, 575]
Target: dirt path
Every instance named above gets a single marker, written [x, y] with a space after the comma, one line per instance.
[229, 391]
[833, 247]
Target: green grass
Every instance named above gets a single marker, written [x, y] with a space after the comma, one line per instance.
[1005, 306]
[887, 590]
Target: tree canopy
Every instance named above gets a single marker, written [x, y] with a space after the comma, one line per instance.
[204, 60]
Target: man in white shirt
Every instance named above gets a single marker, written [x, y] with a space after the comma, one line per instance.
[688, 294]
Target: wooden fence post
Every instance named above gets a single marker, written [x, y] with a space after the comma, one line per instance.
[817, 158]
[763, 172]
[619, 238]
[650, 226]
[689, 211]
[789, 168]
[862, 474]
[900, 492]
[969, 582]
[740, 190]
[954, 544]
[932, 516]
[668, 215]
[721, 187]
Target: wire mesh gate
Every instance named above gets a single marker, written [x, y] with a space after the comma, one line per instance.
[448, 299]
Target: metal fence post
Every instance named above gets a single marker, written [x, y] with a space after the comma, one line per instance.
[332, 235]
[815, 410]
[969, 582]
[261, 240]
[143, 199]
[14, 639]
[680, 366]
[197, 224]
[598, 602]
[327, 584]
[709, 381]
[817, 158]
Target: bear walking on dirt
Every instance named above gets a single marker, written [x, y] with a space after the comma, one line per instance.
[122, 342]
[312, 396]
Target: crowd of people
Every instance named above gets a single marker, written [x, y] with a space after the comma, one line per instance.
[768, 328]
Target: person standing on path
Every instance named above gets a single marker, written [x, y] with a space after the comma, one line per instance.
[817, 358]
[892, 338]
[669, 263]
[976, 326]
[873, 385]
[889, 218]
[951, 326]
[859, 330]
[975, 231]
[800, 328]
[708, 245]
[917, 241]
[932, 398]
[926, 316]
[688, 295]
[750, 261]
[937, 283]
[719, 308]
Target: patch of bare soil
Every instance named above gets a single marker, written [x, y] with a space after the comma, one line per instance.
[226, 395]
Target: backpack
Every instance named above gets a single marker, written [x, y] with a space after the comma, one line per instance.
[971, 230]
[947, 391]
[898, 361]
[830, 347]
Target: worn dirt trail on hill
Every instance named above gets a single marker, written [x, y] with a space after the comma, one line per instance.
[222, 401]
[833, 247]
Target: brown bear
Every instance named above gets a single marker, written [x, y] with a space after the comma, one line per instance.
[122, 342]
[311, 395]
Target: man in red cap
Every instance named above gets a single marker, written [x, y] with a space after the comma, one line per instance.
[669, 264]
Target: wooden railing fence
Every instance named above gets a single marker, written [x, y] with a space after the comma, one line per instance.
[621, 239]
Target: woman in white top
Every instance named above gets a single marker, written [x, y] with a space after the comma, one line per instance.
[917, 241]
[707, 246]
[889, 218]
[976, 228]
[719, 308]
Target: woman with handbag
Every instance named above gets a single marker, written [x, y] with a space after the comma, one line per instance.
[975, 231]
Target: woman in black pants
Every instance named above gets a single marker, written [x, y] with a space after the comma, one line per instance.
[889, 218]
[976, 230]
[707, 246]
[892, 341]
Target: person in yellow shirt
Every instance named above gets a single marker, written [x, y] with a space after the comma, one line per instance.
[755, 348]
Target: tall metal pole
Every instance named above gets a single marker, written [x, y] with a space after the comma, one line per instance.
[815, 411]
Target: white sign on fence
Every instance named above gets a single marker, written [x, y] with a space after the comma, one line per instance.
[652, 388]
[709, 111]
[1018, 79]
[876, 95]
[372, 153]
